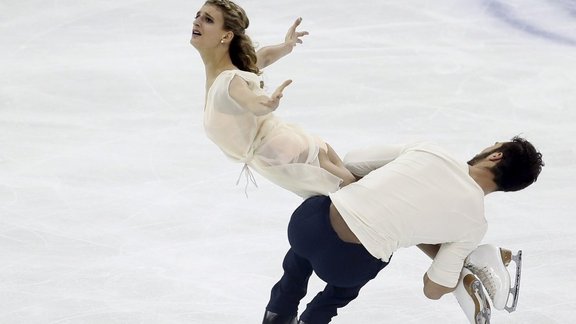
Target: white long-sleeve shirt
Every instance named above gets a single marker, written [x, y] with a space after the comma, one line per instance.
[413, 194]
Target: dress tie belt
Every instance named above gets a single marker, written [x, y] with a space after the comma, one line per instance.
[249, 178]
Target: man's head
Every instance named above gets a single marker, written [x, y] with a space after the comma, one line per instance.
[517, 163]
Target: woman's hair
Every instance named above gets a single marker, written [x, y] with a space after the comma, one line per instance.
[242, 51]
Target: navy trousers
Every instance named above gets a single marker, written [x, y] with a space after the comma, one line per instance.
[315, 247]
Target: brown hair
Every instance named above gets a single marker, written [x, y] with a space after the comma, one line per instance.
[242, 52]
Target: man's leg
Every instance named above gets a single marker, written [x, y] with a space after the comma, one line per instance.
[325, 305]
[345, 267]
[314, 243]
[287, 293]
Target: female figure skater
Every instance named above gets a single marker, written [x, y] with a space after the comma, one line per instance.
[238, 113]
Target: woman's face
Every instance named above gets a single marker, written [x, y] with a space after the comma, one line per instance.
[207, 30]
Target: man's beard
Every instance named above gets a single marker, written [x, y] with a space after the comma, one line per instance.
[480, 157]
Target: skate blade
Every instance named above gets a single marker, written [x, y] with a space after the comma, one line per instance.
[514, 291]
[481, 303]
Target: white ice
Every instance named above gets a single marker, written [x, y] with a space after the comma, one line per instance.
[116, 208]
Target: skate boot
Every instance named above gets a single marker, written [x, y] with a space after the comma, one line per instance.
[273, 318]
[489, 264]
[470, 295]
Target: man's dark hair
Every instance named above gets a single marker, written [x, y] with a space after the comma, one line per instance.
[519, 167]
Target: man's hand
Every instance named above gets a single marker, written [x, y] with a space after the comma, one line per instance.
[433, 290]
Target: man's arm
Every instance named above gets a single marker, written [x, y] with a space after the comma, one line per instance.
[446, 268]
[430, 249]
[433, 290]
[363, 161]
[270, 54]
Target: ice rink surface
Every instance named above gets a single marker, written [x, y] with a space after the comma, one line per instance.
[116, 208]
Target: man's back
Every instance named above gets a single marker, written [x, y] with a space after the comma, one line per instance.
[419, 195]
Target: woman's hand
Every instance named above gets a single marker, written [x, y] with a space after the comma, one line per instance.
[270, 54]
[274, 101]
[293, 37]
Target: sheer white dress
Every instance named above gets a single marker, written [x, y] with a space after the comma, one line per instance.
[281, 152]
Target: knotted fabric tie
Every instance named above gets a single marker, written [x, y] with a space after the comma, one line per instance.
[249, 178]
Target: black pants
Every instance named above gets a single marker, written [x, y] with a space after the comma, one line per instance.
[315, 246]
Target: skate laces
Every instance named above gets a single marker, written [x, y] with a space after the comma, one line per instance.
[486, 277]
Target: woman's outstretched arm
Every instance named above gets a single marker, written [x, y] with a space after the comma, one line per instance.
[270, 54]
[258, 104]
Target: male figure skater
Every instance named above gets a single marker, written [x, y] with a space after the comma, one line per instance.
[405, 196]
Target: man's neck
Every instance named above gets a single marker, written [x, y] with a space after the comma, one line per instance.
[483, 177]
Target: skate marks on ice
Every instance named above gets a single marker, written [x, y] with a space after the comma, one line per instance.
[522, 16]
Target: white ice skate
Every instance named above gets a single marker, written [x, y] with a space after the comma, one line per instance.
[471, 297]
[489, 263]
